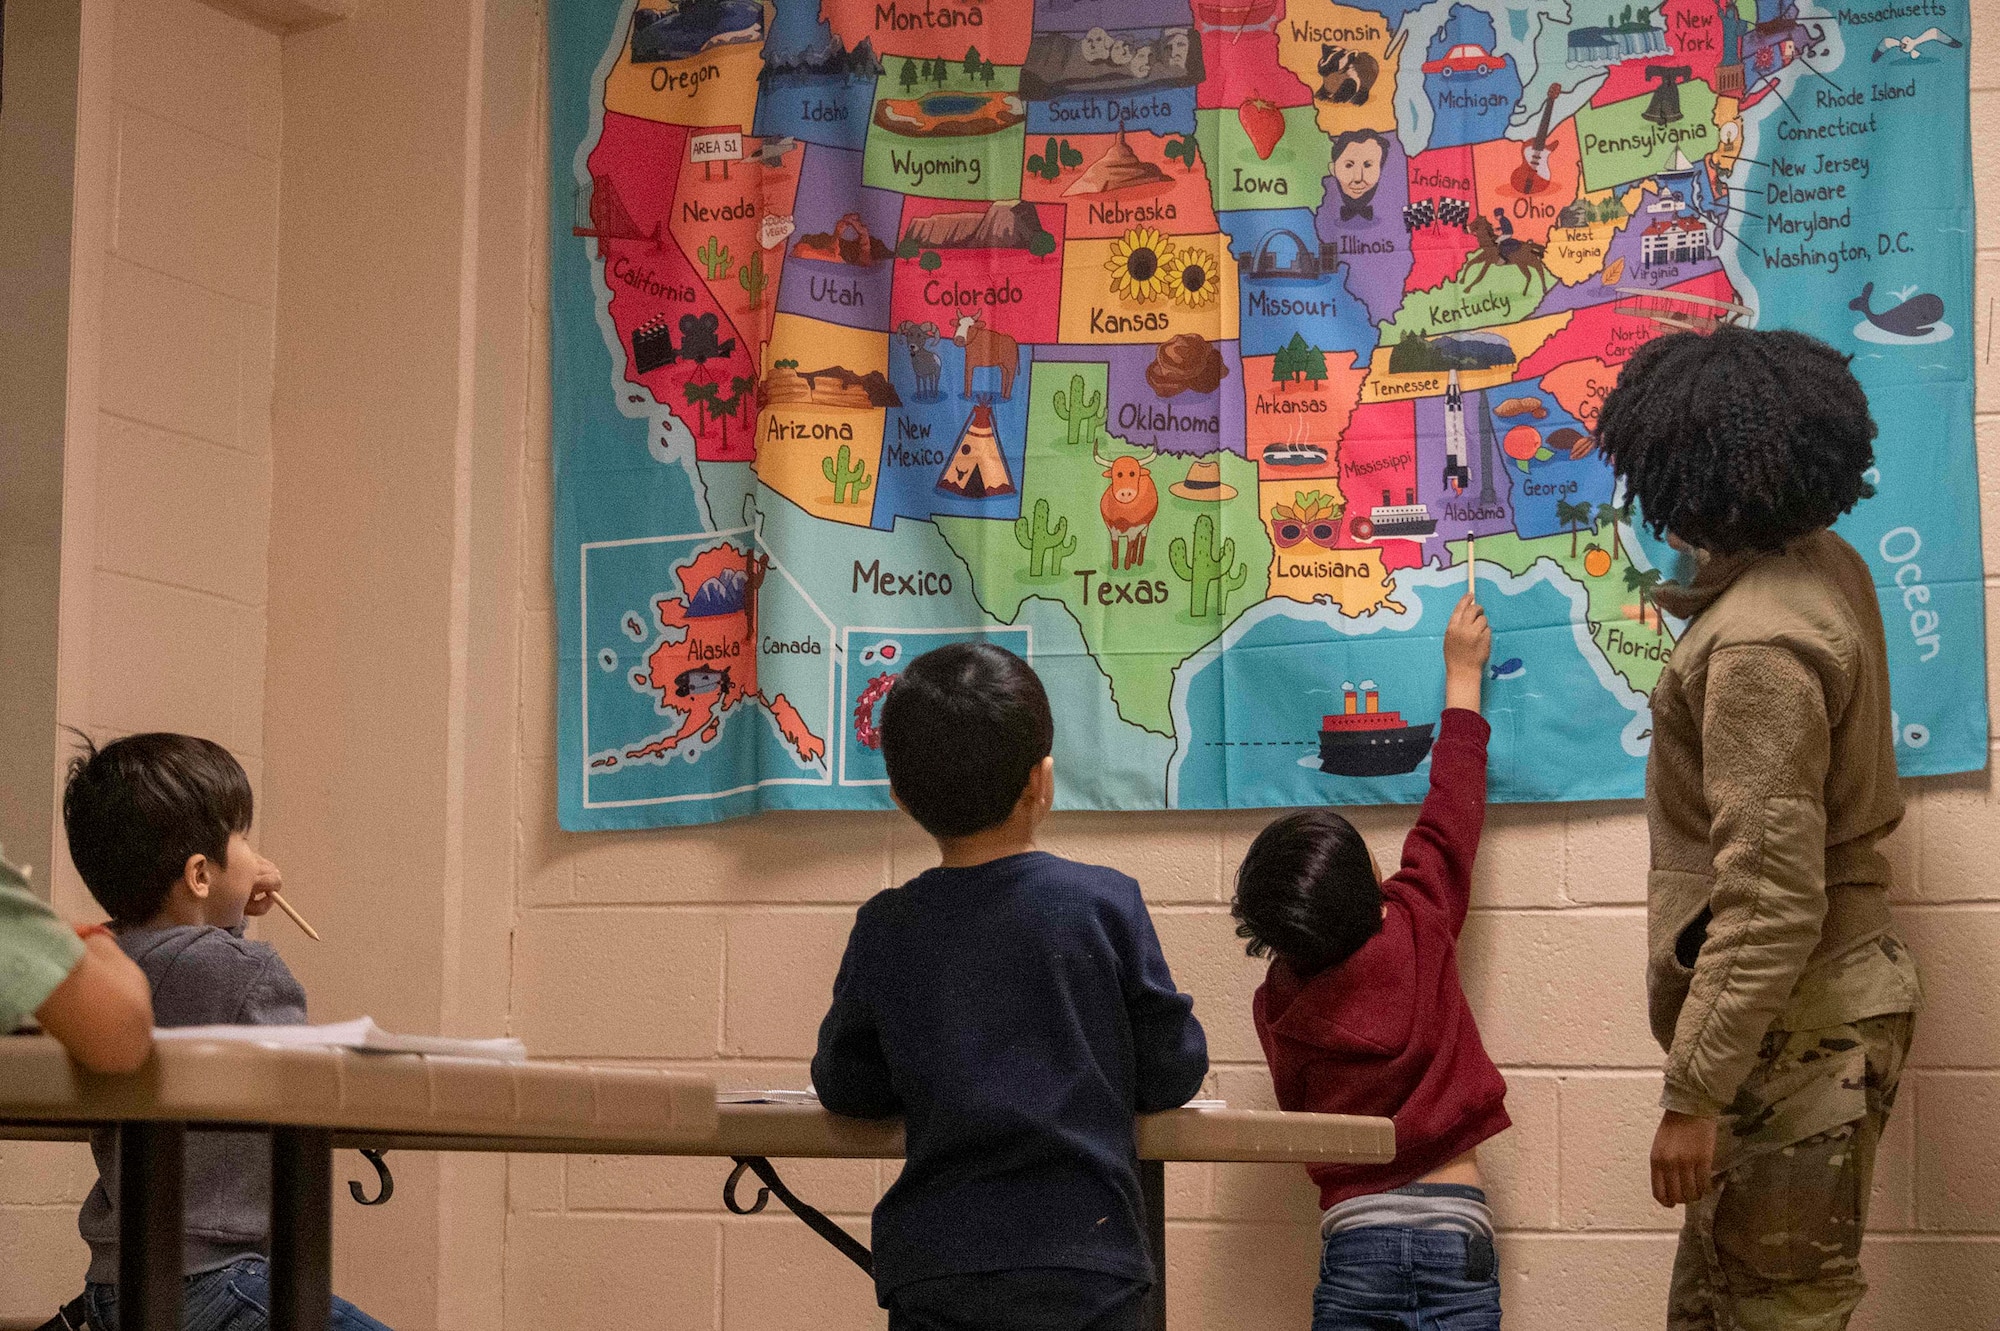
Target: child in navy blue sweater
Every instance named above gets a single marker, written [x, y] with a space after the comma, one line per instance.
[1015, 1008]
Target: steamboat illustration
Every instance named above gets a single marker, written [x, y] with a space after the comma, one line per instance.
[1363, 740]
[1409, 518]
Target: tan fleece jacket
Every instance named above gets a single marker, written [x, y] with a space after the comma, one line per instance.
[1772, 776]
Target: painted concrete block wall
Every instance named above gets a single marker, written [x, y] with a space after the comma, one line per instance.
[715, 948]
[175, 469]
[728, 937]
[183, 466]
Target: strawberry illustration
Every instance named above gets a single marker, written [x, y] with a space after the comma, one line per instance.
[1264, 123]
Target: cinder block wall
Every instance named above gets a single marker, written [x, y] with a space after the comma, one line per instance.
[167, 468]
[736, 932]
[715, 948]
[728, 939]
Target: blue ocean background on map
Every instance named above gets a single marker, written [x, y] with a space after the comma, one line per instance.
[607, 486]
[1913, 218]
[1280, 677]
[1247, 708]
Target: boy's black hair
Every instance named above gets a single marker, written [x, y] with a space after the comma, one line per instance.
[962, 728]
[1741, 439]
[136, 810]
[1306, 891]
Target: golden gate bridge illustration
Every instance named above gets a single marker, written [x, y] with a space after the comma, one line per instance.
[599, 213]
[1681, 310]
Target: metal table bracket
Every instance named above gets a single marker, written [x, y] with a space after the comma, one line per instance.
[850, 1247]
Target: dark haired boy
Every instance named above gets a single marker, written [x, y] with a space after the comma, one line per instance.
[1015, 1008]
[1782, 997]
[157, 827]
[1362, 1013]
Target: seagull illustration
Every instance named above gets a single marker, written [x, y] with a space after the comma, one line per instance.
[1908, 45]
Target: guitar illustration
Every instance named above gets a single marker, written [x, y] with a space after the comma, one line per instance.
[1533, 173]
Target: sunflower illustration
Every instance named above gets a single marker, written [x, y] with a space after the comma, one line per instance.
[1139, 261]
[1191, 277]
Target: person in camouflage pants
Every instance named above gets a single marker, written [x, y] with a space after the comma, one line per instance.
[1776, 1243]
[1775, 982]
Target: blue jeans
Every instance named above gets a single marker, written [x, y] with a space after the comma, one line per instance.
[236, 1297]
[1406, 1280]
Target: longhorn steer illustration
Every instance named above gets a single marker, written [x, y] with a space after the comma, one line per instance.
[1129, 503]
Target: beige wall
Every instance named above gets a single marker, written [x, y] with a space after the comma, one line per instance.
[726, 940]
[37, 164]
[167, 465]
[405, 720]
[167, 476]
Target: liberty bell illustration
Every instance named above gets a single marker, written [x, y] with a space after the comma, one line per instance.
[1665, 108]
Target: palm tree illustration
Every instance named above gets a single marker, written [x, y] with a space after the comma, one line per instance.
[1575, 517]
[742, 393]
[1615, 514]
[1645, 581]
[702, 397]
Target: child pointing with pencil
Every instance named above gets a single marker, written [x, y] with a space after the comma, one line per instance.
[158, 827]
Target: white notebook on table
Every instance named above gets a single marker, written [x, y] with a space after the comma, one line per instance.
[362, 1033]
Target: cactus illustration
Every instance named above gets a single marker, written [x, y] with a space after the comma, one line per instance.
[1207, 566]
[849, 478]
[715, 257]
[1045, 545]
[1084, 415]
[753, 279]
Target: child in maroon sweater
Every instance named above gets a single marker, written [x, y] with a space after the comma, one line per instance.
[1362, 1013]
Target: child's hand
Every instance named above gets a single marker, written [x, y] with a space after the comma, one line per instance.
[1468, 642]
[268, 880]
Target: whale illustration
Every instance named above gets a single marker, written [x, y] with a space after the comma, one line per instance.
[1915, 316]
[1511, 668]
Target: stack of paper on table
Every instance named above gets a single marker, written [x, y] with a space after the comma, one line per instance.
[811, 1097]
[362, 1033]
[806, 1097]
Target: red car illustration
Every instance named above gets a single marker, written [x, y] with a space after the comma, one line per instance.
[1465, 58]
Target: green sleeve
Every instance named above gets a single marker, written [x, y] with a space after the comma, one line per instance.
[1765, 751]
[37, 953]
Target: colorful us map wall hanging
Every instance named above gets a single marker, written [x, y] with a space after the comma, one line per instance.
[1181, 348]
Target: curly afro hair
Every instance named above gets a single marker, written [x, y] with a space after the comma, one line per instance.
[1741, 439]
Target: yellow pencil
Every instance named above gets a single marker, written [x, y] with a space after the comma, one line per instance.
[297, 918]
[1471, 568]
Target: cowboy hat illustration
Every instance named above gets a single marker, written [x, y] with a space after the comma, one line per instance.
[1204, 484]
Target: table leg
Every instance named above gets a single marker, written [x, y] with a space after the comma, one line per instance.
[301, 1229]
[1153, 1197]
[149, 1225]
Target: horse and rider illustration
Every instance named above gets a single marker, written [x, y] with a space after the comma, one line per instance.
[1498, 251]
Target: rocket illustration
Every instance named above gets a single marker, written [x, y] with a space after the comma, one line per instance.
[1456, 474]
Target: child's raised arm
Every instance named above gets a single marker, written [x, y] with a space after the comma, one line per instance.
[1468, 645]
[1438, 855]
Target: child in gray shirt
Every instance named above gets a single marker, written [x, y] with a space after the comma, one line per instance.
[156, 826]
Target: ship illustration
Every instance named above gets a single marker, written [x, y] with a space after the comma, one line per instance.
[1363, 740]
[1388, 518]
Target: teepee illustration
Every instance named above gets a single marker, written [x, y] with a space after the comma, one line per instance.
[977, 469]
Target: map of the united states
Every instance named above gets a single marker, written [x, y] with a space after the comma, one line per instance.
[1186, 348]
